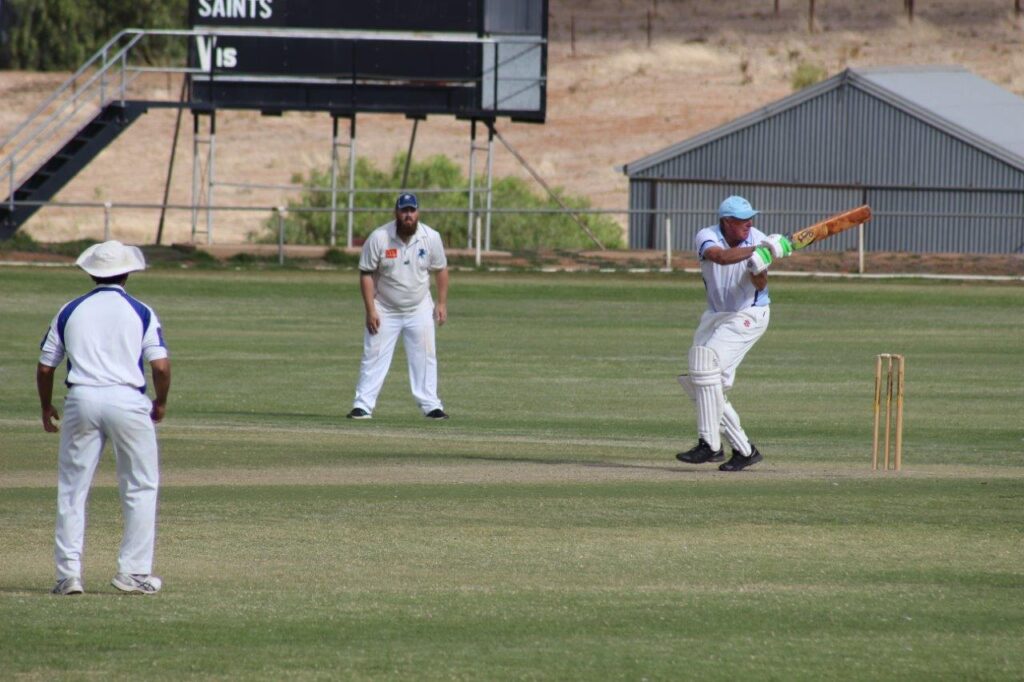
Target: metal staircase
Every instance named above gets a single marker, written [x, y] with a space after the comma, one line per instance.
[85, 114]
[60, 168]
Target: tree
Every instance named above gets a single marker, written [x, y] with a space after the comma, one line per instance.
[53, 35]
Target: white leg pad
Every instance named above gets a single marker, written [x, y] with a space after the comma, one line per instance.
[733, 431]
[706, 377]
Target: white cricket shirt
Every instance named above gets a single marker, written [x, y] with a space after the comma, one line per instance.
[728, 287]
[401, 272]
[106, 336]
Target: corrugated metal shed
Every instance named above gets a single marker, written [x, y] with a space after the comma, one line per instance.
[937, 151]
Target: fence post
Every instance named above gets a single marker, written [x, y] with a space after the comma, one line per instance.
[860, 249]
[668, 244]
[106, 221]
[280, 234]
[478, 241]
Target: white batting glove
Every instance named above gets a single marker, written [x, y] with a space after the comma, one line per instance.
[759, 260]
[779, 244]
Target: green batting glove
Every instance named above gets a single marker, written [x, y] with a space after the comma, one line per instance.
[787, 246]
[759, 260]
[780, 245]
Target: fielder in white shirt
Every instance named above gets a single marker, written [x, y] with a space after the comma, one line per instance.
[106, 335]
[734, 259]
[394, 278]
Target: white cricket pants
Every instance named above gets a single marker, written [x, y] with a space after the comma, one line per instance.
[417, 331]
[92, 416]
[731, 336]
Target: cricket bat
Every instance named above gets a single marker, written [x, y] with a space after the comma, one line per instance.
[840, 222]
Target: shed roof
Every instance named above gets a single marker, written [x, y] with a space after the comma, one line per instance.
[950, 98]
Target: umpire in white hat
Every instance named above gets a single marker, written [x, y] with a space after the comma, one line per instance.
[106, 336]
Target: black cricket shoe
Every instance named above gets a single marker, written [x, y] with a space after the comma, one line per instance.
[738, 462]
[436, 414]
[359, 413]
[701, 454]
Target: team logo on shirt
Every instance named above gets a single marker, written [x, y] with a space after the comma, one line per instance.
[391, 253]
[746, 323]
[423, 253]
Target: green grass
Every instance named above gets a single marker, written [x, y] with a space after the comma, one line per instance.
[546, 531]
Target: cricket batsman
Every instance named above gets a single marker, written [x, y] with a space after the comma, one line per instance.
[734, 258]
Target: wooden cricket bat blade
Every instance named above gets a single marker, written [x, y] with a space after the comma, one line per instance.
[840, 222]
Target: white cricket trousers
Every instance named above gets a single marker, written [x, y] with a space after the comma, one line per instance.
[92, 416]
[417, 331]
[730, 336]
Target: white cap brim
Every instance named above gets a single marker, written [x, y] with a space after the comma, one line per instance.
[111, 259]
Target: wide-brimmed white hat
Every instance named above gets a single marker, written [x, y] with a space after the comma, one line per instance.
[110, 259]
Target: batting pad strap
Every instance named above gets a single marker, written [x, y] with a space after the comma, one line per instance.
[704, 367]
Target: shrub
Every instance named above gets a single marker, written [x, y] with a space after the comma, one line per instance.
[443, 186]
[807, 74]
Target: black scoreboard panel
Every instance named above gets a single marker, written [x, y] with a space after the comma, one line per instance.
[366, 69]
[368, 59]
[370, 15]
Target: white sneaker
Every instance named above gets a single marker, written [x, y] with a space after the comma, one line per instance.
[137, 583]
[68, 586]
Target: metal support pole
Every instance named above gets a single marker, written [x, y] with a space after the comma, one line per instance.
[408, 156]
[351, 177]
[334, 181]
[209, 176]
[540, 181]
[490, 183]
[195, 175]
[10, 196]
[472, 184]
[170, 163]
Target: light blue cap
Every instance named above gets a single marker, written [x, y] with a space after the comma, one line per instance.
[736, 207]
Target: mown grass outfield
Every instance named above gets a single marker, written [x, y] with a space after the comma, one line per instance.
[545, 531]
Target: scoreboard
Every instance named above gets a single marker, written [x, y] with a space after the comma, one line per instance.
[468, 58]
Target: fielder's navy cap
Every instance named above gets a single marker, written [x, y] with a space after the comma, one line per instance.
[736, 207]
[407, 201]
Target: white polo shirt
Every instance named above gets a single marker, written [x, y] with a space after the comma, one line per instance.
[728, 287]
[106, 336]
[401, 272]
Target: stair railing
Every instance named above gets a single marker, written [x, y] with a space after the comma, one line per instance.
[67, 103]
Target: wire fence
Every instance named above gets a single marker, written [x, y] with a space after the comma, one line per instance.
[675, 243]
